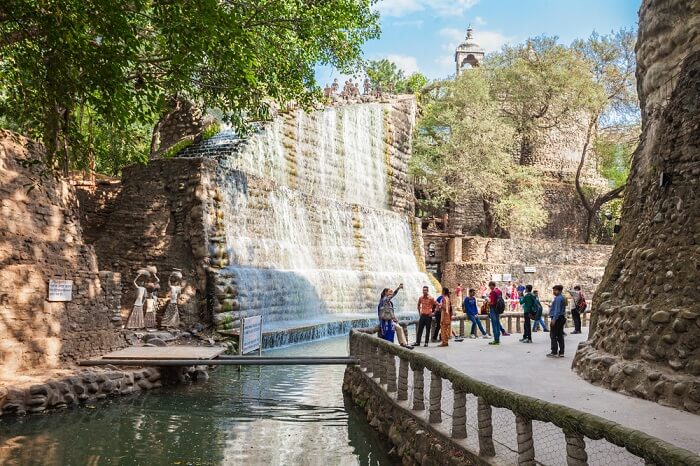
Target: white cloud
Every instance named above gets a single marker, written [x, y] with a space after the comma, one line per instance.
[404, 62]
[479, 21]
[438, 7]
[418, 23]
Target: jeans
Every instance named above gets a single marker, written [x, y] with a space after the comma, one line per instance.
[556, 334]
[423, 324]
[496, 325]
[527, 333]
[539, 322]
[476, 323]
[576, 317]
[436, 329]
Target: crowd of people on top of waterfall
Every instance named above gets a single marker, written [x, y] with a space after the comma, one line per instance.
[435, 314]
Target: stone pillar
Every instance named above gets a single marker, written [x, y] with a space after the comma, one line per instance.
[381, 366]
[459, 414]
[403, 380]
[435, 414]
[418, 401]
[454, 250]
[390, 370]
[526, 446]
[575, 450]
[486, 447]
[461, 328]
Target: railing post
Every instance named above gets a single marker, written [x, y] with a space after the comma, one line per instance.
[403, 380]
[488, 325]
[390, 372]
[517, 324]
[362, 353]
[575, 450]
[459, 413]
[526, 446]
[510, 324]
[461, 328]
[381, 365]
[486, 447]
[418, 402]
[373, 366]
[435, 414]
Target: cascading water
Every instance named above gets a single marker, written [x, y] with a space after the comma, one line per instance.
[314, 229]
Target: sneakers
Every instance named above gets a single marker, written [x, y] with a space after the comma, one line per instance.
[546, 330]
[426, 345]
[575, 332]
[552, 355]
[442, 345]
[472, 336]
[525, 340]
[407, 346]
[561, 355]
[506, 334]
[486, 337]
[494, 343]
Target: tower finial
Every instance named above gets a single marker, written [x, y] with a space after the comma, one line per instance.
[470, 32]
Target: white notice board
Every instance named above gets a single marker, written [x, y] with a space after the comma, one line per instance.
[529, 269]
[251, 334]
[60, 290]
[507, 277]
[496, 277]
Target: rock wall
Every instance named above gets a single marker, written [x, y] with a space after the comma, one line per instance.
[158, 215]
[41, 239]
[555, 262]
[645, 338]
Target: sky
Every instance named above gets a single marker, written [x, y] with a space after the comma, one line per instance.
[421, 35]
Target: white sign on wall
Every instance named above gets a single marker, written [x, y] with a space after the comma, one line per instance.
[496, 277]
[60, 290]
[529, 269]
[251, 334]
[507, 277]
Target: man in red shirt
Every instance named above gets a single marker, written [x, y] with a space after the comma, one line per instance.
[426, 306]
[495, 317]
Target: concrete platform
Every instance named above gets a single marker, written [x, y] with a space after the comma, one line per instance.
[524, 368]
[166, 352]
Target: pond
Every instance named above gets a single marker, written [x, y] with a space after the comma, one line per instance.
[259, 415]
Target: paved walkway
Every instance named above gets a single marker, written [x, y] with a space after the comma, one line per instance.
[523, 368]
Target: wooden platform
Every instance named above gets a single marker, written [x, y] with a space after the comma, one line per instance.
[166, 352]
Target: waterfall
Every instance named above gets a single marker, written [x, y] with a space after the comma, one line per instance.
[311, 230]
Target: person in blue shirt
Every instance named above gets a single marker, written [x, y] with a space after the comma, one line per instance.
[539, 320]
[557, 314]
[472, 311]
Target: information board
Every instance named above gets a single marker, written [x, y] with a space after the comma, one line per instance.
[507, 277]
[529, 269]
[251, 334]
[60, 290]
[496, 277]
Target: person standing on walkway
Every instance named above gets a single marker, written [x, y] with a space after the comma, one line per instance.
[578, 305]
[528, 302]
[458, 293]
[496, 307]
[472, 312]
[388, 323]
[538, 316]
[426, 306]
[445, 310]
[436, 321]
[557, 314]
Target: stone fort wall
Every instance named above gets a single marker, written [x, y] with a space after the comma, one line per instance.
[41, 239]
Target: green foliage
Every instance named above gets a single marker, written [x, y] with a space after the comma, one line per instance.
[413, 84]
[122, 60]
[211, 130]
[177, 147]
[385, 74]
[614, 151]
[462, 150]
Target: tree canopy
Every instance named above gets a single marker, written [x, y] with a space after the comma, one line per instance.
[69, 66]
[387, 75]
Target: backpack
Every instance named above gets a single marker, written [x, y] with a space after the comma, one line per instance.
[581, 305]
[500, 305]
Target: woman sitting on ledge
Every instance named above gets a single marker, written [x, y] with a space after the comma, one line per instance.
[388, 323]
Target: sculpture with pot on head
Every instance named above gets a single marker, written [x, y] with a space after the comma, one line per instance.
[171, 318]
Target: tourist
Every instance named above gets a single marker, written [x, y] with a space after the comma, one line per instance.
[445, 310]
[578, 305]
[521, 290]
[483, 290]
[388, 323]
[437, 315]
[529, 311]
[513, 295]
[458, 293]
[539, 320]
[472, 311]
[496, 308]
[426, 306]
[557, 314]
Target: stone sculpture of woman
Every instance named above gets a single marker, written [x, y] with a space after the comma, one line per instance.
[171, 318]
[149, 318]
[136, 319]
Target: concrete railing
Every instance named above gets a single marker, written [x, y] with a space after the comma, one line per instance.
[561, 434]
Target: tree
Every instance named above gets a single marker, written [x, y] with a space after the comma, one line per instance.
[384, 74]
[462, 150]
[121, 61]
[611, 61]
[541, 86]
[413, 84]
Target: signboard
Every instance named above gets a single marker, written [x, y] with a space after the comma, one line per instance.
[496, 277]
[529, 269]
[251, 334]
[507, 277]
[60, 290]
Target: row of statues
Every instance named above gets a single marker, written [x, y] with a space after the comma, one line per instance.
[143, 314]
[352, 89]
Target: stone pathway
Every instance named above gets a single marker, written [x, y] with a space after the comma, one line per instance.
[523, 368]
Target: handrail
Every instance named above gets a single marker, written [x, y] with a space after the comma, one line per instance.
[575, 424]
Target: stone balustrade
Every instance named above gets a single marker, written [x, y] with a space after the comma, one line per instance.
[481, 421]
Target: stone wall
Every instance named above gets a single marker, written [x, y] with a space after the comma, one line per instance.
[158, 215]
[555, 262]
[41, 239]
[645, 335]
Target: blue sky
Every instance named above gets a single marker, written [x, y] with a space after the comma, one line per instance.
[422, 34]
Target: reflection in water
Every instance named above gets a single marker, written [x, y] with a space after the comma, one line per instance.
[260, 415]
